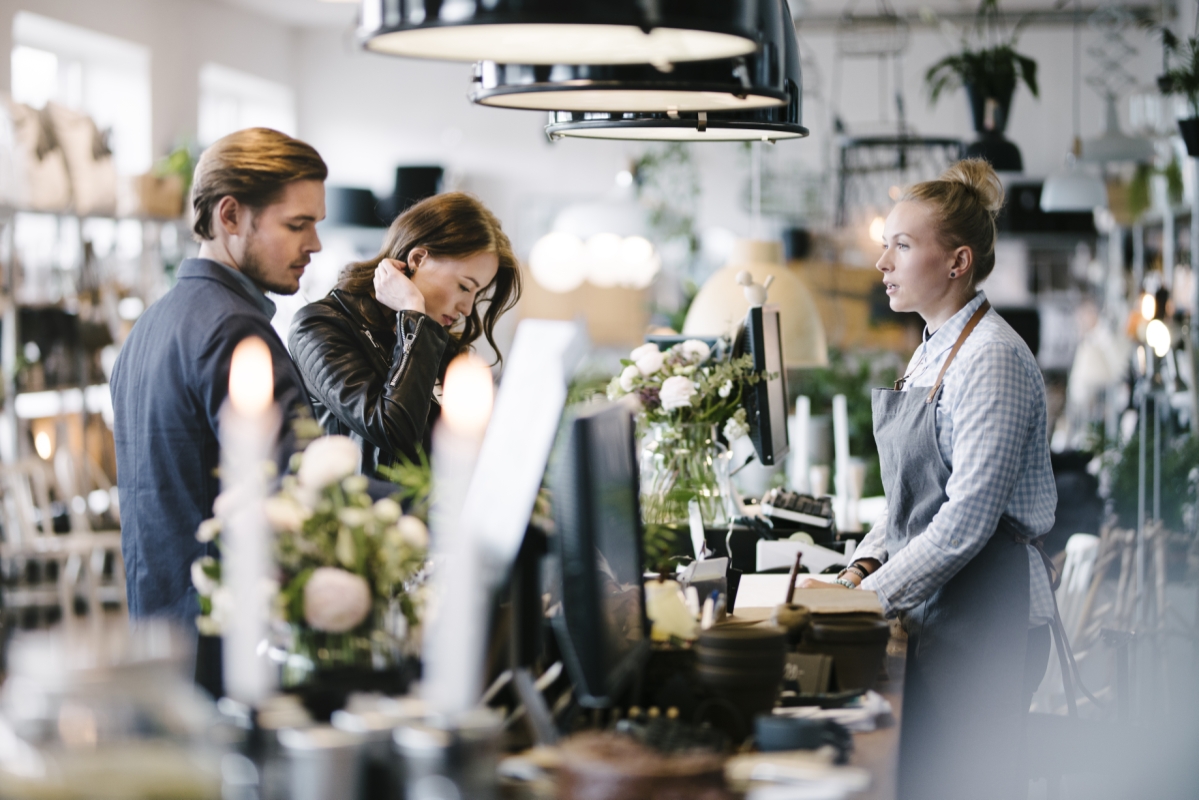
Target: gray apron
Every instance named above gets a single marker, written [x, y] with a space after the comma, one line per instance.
[962, 720]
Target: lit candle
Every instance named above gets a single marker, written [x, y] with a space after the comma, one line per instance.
[249, 422]
[454, 645]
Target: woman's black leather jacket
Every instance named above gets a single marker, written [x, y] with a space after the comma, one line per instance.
[366, 381]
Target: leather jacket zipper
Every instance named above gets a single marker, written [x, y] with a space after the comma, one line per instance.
[377, 346]
[409, 338]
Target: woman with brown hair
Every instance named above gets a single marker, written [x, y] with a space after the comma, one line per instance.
[375, 349]
[970, 492]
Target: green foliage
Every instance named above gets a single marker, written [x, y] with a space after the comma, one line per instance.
[990, 62]
[1179, 458]
[1139, 189]
[667, 182]
[181, 161]
[415, 481]
[1182, 76]
[659, 546]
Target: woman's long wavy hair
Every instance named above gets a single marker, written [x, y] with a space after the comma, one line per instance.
[450, 225]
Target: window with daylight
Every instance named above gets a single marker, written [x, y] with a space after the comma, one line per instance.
[100, 75]
[231, 100]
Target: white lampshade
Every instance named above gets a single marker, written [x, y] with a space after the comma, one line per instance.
[1113, 145]
[604, 242]
[721, 305]
[1073, 190]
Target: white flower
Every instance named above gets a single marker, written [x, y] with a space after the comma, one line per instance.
[285, 514]
[205, 585]
[327, 460]
[695, 350]
[208, 530]
[222, 607]
[726, 389]
[354, 517]
[336, 601]
[736, 426]
[648, 359]
[223, 504]
[413, 532]
[355, 484]
[627, 376]
[207, 626]
[676, 393]
[387, 510]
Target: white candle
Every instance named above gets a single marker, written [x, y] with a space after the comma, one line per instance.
[841, 458]
[249, 422]
[453, 653]
[797, 465]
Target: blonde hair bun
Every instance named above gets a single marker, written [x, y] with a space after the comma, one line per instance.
[977, 174]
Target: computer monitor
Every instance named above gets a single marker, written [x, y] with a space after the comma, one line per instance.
[602, 629]
[766, 401]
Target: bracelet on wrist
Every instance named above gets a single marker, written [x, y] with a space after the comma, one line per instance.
[847, 584]
[856, 570]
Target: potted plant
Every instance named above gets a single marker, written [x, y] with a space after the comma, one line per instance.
[989, 69]
[1183, 79]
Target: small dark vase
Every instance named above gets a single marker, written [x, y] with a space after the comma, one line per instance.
[978, 109]
[1189, 128]
[992, 145]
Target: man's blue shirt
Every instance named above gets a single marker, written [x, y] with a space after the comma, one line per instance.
[168, 385]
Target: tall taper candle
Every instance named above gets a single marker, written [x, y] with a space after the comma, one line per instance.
[841, 480]
[797, 463]
[249, 425]
[453, 656]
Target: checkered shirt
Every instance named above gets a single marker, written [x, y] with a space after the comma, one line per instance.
[991, 433]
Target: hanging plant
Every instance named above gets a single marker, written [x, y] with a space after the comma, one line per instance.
[988, 67]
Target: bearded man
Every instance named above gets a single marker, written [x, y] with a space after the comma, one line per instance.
[257, 196]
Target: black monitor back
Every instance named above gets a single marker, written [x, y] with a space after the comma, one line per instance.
[602, 630]
[766, 401]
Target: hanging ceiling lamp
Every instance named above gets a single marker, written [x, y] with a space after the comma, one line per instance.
[758, 80]
[560, 32]
[765, 124]
[1073, 189]
[1114, 144]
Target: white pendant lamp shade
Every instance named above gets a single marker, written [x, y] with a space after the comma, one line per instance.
[683, 121]
[1113, 145]
[757, 80]
[560, 31]
[1073, 190]
[721, 305]
[604, 243]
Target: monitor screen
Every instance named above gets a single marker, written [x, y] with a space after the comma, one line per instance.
[594, 484]
[766, 402]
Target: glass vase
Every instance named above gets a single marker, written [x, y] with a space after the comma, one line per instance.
[681, 463]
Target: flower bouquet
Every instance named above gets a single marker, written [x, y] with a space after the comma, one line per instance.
[346, 599]
[690, 411]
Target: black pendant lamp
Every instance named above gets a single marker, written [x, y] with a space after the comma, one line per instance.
[762, 124]
[660, 32]
[758, 80]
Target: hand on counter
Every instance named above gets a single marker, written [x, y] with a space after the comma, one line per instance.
[396, 290]
[816, 583]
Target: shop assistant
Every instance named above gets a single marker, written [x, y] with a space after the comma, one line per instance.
[374, 351]
[965, 467]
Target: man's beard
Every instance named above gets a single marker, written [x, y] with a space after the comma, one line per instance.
[252, 267]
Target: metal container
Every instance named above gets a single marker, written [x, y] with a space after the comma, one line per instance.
[442, 759]
[322, 762]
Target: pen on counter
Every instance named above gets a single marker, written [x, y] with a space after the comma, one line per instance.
[791, 580]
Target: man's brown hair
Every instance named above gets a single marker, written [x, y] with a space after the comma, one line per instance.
[252, 166]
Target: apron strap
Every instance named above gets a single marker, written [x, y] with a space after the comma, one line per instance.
[966, 331]
[1071, 676]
